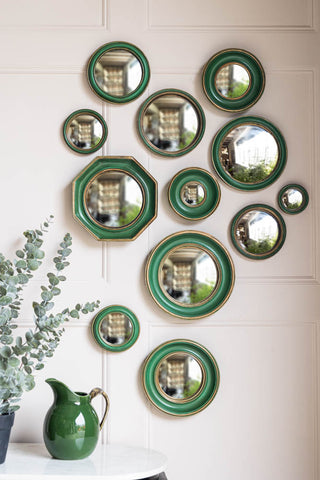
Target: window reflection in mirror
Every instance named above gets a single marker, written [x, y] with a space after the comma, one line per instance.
[249, 154]
[232, 81]
[193, 194]
[114, 199]
[188, 275]
[170, 123]
[84, 131]
[180, 376]
[257, 232]
[118, 72]
[116, 328]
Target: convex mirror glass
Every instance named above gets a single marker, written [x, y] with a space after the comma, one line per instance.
[114, 198]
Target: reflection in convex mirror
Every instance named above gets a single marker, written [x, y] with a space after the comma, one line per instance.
[171, 122]
[116, 328]
[180, 376]
[293, 198]
[118, 72]
[258, 232]
[249, 154]
[188, 275]
[114, 199]
[192, 194]
[232, 81]
[85, 131]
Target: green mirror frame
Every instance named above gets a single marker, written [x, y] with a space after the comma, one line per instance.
[256, 75]
[149, 188]
[196, 106]
[212, 193]
[205, 395]
[119, 46]
[93, 114]
[259, 122]
[305, 199]
[98, 319]
[215, 250]
[282, 231]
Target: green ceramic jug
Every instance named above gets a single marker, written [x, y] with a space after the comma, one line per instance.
[71, 427]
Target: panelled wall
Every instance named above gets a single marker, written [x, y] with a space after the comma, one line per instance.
[263, 422]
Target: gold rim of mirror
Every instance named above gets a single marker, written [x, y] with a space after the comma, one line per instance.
[248, 87]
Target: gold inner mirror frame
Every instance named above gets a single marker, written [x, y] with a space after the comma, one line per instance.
[193, 191]
[247, 87]
[113, 170]
[186, 271]
[178, 372]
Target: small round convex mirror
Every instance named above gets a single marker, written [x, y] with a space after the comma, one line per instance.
[114, 199]
[249, 153]
[181, 377]
[118, 72]
[293, 198]
[85, 131]
[171, 122]
[115, 328]
[194, 194]
[258, 231]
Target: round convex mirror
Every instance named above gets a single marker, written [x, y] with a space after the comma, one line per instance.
[180, 377]
[188, 275]
[232, 81]
[85, 131]
[115, 328]
[118, 72]
[258, 231]
[249, 153]
[193, 194]
[293, 199]
[171, 122]
[114, 199]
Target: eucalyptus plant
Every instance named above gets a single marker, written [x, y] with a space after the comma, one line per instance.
[21, 357]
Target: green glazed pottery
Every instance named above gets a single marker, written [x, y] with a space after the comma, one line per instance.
[71, 427]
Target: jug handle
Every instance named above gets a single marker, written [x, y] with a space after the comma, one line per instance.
[97, 391]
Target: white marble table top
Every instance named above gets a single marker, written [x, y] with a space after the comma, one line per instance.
[108, 462]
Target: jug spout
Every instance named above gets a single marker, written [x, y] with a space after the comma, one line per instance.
[62, 393]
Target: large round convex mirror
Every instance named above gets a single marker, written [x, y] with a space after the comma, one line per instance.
[171, 122]
[293, 199]
[258, 231]
[85, 131]
[114, 199]
[188, 275]
[118, 72]
[249, 153]
[115, 328]
[181, 377]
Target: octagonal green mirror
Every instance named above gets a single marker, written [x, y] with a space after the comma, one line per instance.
[115, 198]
